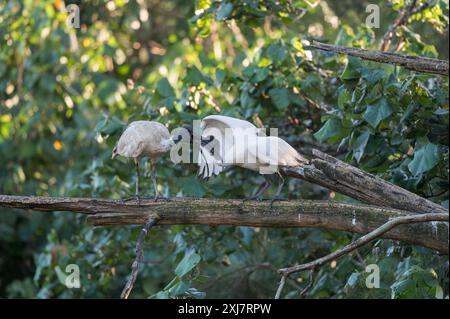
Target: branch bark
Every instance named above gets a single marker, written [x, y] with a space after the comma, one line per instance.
[356, 218]
[329, 172]
[419, 64]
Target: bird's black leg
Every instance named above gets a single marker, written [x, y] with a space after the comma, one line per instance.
[136, 162]
[155, 186]
[136, 195]
[261, 189]
[279, 189]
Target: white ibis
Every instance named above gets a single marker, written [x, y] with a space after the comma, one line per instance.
[219, 133]
[144, 139]
[228, 141]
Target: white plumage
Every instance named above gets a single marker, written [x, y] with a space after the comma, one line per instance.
[216, 126]
[240, 143]
[144, 139]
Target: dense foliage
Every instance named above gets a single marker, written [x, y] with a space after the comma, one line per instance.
[66, 94]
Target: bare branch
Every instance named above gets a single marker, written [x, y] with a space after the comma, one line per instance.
[419, 64]
[281, 286]
[366, 239]
[310, 283]
[313, 265]
[139, 255]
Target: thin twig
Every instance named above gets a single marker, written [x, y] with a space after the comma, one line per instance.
[420, 218]
[310, 283]
[401, 19]
[139, 254]
[286, 272]
[280, 286]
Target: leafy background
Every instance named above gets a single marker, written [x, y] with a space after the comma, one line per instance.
[66, 94]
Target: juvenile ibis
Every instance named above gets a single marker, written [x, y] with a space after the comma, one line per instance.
[145, 139]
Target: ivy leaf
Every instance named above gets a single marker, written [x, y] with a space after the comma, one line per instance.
[164, 88]
[113, 126]
[179, 289]
[194, 76]
[189, 261]
[261, 74]
[224, 11]
[331, 128]
[353, 279]
[351, 70]
[101, 124]
[192, 187]
[360, 145]
[280, 97]
[276, 53]
[377, 112]
[425, 158]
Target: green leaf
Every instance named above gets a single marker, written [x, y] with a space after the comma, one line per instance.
[331, 128]
[261, 74]
[353, 279]
[246, 100]
[106, 89]
[61, 275]
[194, 76]
[360, 145]
[113, 126]
[220, 75]
[195, 293]
[297, 44]
[276, 53]
[189, 261]
[101, 124]
[179, 289]
[425, 158]
[280, 97]
[351, 70]
[161, 295]
[377, 112]
[192, 187]
[402, 286]
[344, 98]
[164, 88]
[224, 11]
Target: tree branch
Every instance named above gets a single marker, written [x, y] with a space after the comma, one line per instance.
[329, 172]
[313, 265]
[296, 213]
[402, 19]
[139, 254]
[419, 64]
